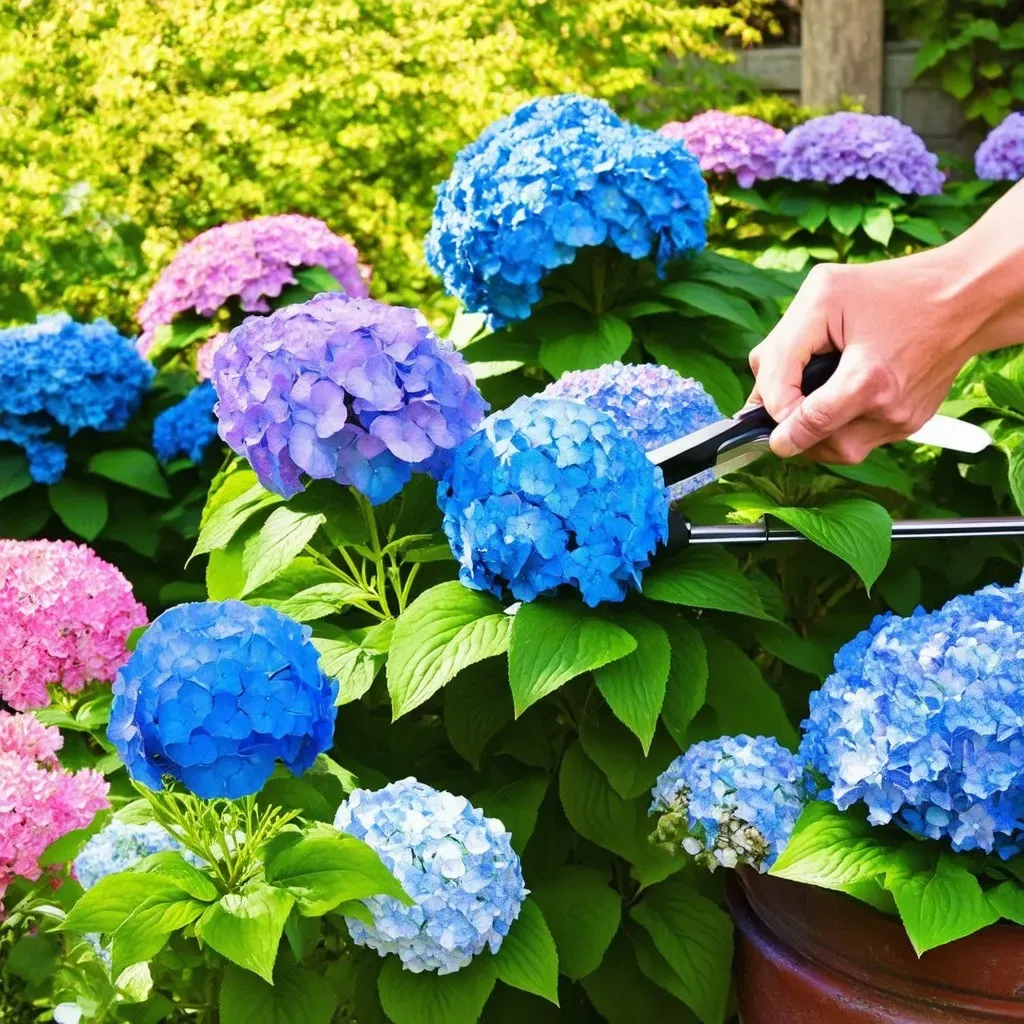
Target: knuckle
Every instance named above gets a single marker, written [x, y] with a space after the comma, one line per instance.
[817, 417]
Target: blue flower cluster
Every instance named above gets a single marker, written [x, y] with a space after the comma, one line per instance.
[559, 174]
[187, 428]
[923, 722]
[457, 866]
[550, 492]
[119, 847]
[215, 693]
[650, 403]
[58, 377]
[730, 801]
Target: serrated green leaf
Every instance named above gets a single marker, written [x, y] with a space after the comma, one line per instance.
[711, 301]
[528, 959]
[614, 749]
[355, 657]
[268, 551]
[113, 899]
[921, 229]
[686, 689]
[515, 805]
[429, 998]
[229, 508]
[477, 706]
[845, 217]
[573, 339]
[81, 506]
[930, 53]
[322, 600]
[1007, 393]
[879, 469]
[297, 996]
[146, 930]
[1007, 899]
[703, 578]
[1016, 477]
[132, 467]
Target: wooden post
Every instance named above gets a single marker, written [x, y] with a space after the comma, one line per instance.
[843, 49]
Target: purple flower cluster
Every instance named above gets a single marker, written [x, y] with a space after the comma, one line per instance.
[746, 147]
[844, 146]
[344, 389]
[1001, 156]
[251, 260]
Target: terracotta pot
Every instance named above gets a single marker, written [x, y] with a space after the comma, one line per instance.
[809, 956]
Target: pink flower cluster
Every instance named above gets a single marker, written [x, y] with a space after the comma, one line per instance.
[65, 615]
[730, 144]
[39, 801]
[252, 260]
[205, 354]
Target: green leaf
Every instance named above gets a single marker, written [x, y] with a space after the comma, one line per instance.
[246, 927]
[429, 998]
[355, 657]
[132, 467]
[1016, 476]
[703, 578]
[814, 216]
[710, 301]
[555, 641]
[845, 217]
[267, 552]
[477, 706]
[615, 751]
[879, 469]
[940, 905]
[171, 866]
[297, 996]
[321, 600]
[145, 932]
[515, 805]
[446, 629]
[81, 506]
[528, 959]
[921, 229]
[317, 280]
[599, 814]
[114, 898]
[720, 382]
[831, 849]
[583, 915]
[1007, 898]
[687, 685]
[930, 53]
[33, 958]
[878, 224]
[227, 510]
[14, 475]
[634, 686]
[1007, 393]
[182, 333]
[695, 938]
[808, 655]
[324, 867]
[956, 79]
[573, 339]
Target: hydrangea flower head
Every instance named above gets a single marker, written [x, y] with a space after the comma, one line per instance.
[736, 144]
[217, 692]
[457, 866]
[57, 377]
[187, 428]
[559, 174]
[350, 390]
[922, 721]
[119, 847]
[838, 147]
[251, 260]
[551, 492]
[65, 616]
[205, 354]
[39, 801]
[730, 801]
[1001, 156]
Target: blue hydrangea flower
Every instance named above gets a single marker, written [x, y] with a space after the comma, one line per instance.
[550, 492]
[1001, 156]
[187, 428]
[343, 389]
[119, 847]
[923, 722]
[58, 377]
[730, 801]
[458, 867]
[559, 174]
[215, 693]
[650, 403]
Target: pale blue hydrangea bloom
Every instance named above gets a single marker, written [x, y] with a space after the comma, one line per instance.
[119, 847]
[923, 722]
[458, 866]
[730, 801]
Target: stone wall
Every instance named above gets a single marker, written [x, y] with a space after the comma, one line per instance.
[934, 114]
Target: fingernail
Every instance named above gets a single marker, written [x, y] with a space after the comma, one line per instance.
[783, 446]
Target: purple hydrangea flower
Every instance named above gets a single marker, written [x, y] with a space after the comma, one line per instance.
[343, 389]
[251, 260]
[559, 174]
[548, 493]
[923, 722]
[746, 147]
[839, 147]
[1001, 156]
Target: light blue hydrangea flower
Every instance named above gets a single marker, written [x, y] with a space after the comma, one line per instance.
[548, 493]
[923, 722]
[458, 866]
[559, 174]
[730, 801]
[187, 428]
[119, 847]
[215, 694]
[58, 377]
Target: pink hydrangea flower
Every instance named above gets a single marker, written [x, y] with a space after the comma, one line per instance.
[205, 354]
[39, 801]
[730, 144]
[65, 615]
[253, 260]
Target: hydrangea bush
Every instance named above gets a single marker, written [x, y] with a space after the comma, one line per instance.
[65, 616]
[59, 377]
[1001, 156]
[456, 864]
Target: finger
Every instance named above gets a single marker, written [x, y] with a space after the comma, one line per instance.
[753, 402]
[850, 445]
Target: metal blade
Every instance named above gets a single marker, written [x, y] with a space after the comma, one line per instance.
[955, 435]
[682, 444]
[728, 463]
